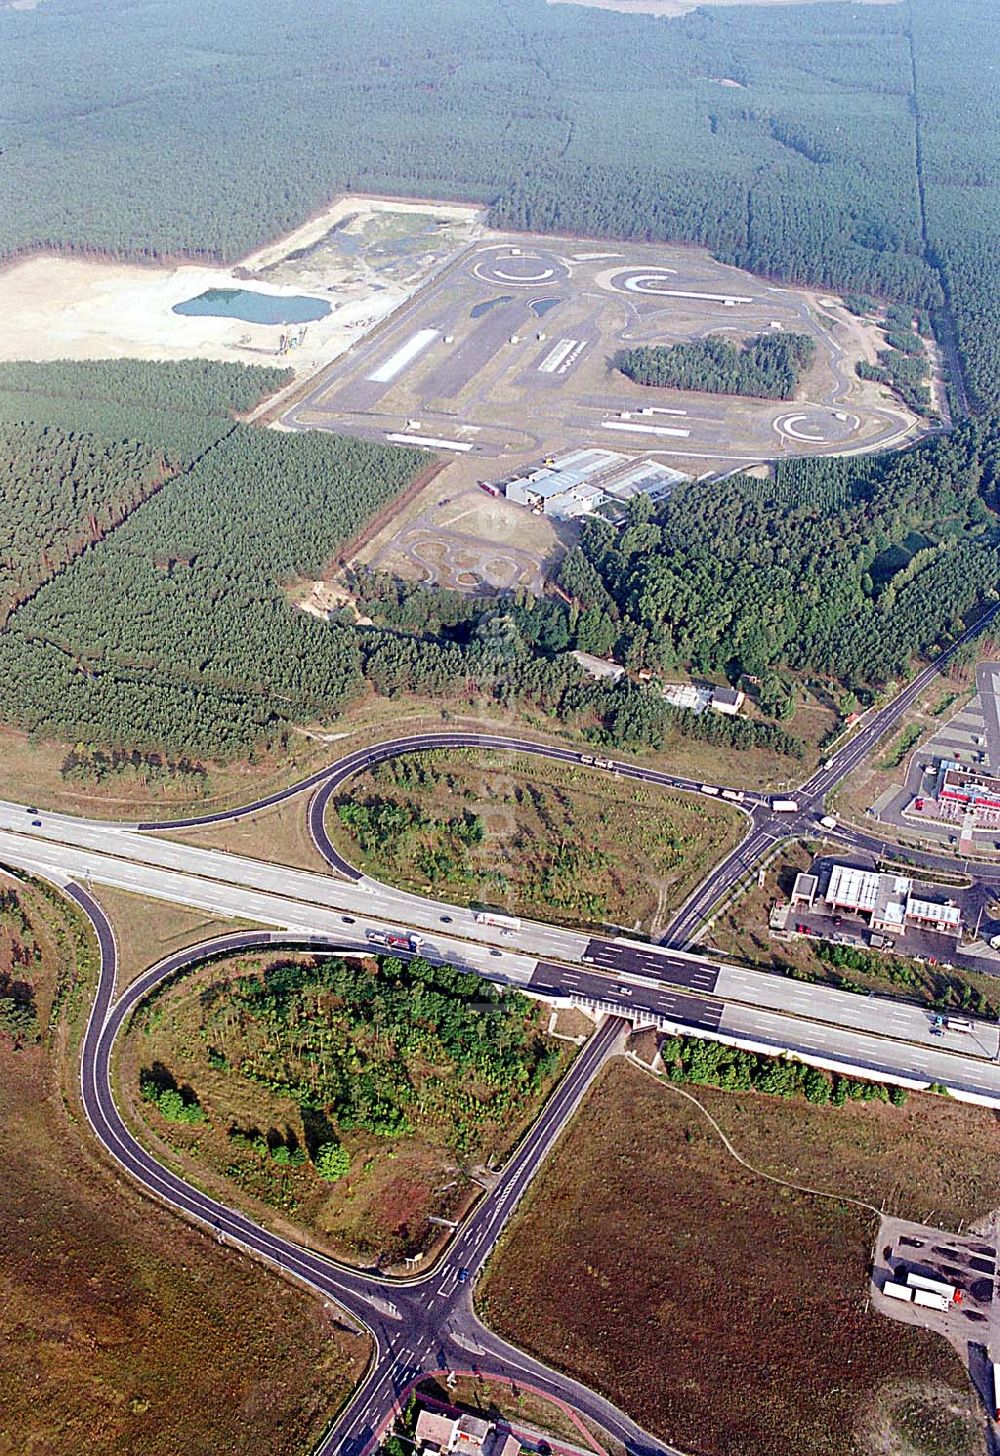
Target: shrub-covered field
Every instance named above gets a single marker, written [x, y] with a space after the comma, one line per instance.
[563, 843]
[353, 1098]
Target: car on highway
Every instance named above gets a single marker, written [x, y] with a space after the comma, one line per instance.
[348, 919]
[446, 919]
[624, 990]
[496, 952]
[463, 1276]
[36, 823]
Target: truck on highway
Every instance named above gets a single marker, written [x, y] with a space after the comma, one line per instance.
[924, 1285]
[828, 821]
[736, 795]
[506, 923]
[593, 762]
[709, 789]
[395, 939]
[785, 806]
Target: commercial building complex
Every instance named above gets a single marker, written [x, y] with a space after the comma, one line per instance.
[886, 901]
[585, 481]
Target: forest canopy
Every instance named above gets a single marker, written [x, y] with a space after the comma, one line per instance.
[857, 149]
[767, 367]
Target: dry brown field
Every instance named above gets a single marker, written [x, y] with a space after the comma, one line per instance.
[124, 1330]
[726, 1313]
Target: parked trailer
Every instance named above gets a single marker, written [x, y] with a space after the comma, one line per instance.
[928, 1299]
[785, 806]
[934, 1286]
[502, 922]
[897, 1291]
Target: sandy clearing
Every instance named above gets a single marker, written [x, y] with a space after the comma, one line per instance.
[316, 227]
[55, 307]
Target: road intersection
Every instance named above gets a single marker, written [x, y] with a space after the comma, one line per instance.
[429, 1322]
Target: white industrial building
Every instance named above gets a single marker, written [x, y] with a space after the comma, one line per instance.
[696, 697]
[580, 483]
[887, 901]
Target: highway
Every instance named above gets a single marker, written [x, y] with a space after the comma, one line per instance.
[429, 1322]
[416, 1325]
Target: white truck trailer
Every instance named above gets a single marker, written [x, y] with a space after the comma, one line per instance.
[930, 1299]
[934, 1286]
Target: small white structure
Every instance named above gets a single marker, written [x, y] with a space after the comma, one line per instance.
[599, 667]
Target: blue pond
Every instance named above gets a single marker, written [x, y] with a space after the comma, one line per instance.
[254, 308]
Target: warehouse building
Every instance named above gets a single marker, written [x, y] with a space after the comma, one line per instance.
[586, 481]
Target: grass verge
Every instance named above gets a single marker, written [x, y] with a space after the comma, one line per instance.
[126, 1330]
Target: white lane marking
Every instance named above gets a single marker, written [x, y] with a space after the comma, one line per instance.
[404, 355]
[632, 429]
[430, 442]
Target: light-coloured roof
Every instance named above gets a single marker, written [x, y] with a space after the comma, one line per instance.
[850, 886]
[934, 910]
[434, 1429]
[598, 666]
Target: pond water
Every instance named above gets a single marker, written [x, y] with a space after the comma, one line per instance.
[478, 309]
[254, 308]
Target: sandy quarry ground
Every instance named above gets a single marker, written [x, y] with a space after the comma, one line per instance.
[365, 256]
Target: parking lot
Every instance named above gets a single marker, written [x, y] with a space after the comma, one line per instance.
[967, 1262]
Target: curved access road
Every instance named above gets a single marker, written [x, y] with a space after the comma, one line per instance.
[333, 775]
[418, 1326]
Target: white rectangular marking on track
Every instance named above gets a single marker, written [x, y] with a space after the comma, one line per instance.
[463, 447]
[644, 429]
[557, 355]
[404, 355]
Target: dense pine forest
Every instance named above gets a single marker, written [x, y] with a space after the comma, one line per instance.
[175, 631]
[844, 567]
[60, 493]
[767, 367]
[183, 407]
[857, 148]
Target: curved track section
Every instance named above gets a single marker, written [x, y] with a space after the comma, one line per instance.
[419, 1326]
